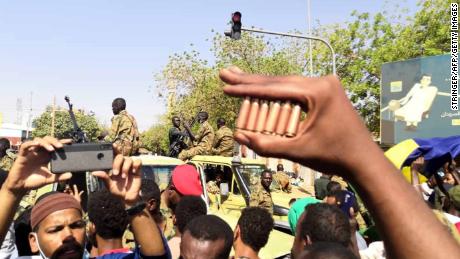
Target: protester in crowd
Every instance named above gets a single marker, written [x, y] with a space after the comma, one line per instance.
[22, 229]
[185, 180]
[296, 210]
[321, 223]
[327, 250]
[151, 195]
[320, 186]
[427, 188]
[344, 200]
[57, 218]
[453, 207]
[333, 186]
[8, 247]
[348, 150]
[252, 232]
[108, 221]
[208, 237]
[261, 196]
[188, 208]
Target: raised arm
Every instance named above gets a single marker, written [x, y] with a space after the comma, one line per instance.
[333, 139]
[125, 182]
[29, 171]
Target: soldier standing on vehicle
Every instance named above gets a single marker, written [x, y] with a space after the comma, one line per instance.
[282, 179]
[261, 196]
[202, 140]
[123, 133]
[6, 159]
[223, 142]
[175, 135]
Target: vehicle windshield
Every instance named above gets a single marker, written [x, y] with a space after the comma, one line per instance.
[160, 174]
[251, 174]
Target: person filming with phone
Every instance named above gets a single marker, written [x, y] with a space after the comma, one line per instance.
[58, 227]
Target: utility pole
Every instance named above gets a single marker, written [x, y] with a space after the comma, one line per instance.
[53, 116]
[19, 111]
[309, 33]
[29, 121]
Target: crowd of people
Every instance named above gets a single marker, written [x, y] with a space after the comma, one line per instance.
[132, 218]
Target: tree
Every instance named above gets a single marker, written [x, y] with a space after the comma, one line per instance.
[361, 45]
[155, 139]
[368, 41]
[63, 126]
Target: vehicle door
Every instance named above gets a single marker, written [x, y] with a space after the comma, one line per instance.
[234, 202]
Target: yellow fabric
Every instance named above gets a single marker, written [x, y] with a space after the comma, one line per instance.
[398, 153]
[406, 173]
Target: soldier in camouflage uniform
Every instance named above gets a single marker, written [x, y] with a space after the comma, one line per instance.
[261, 196]
[213, 188]
[202, 141]
[223, 141]
[6, 158]
[123, 133]
[282, 179]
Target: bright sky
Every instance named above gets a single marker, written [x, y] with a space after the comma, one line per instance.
[95, 51]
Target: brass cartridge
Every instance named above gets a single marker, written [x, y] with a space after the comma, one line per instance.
[244, 114]
[253, 112]
[293, 124]
[283, 120]
[262, 117]
[272, 118]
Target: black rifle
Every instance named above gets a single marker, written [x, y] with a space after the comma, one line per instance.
[78, 135]
[83, 180]
[179, 144]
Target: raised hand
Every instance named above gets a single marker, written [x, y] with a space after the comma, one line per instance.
[30, 170]
[329, 140]
[74, 192]
[124, 180]
[417, 164]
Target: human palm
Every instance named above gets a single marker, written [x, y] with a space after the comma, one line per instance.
[124, 181]
[30, 170]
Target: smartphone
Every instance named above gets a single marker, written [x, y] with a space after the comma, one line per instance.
[82, 157]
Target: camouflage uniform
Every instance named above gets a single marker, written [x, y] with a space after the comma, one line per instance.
[168, 231]
[261, 198]
[223, 143]
[204, 140]
[124, 133]
[283, 180]
[213, 194]
[212, 187]
[6, 162]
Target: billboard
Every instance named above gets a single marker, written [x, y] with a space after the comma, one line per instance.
[415, 100]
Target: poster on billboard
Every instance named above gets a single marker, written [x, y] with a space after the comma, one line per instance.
[415, 100]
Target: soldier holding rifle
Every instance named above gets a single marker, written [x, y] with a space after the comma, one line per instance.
[176, 138]
[202, 140]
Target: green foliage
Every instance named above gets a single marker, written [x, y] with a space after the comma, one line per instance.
[361, 47]
[369, 41]
[155, 139]
[63, 126]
